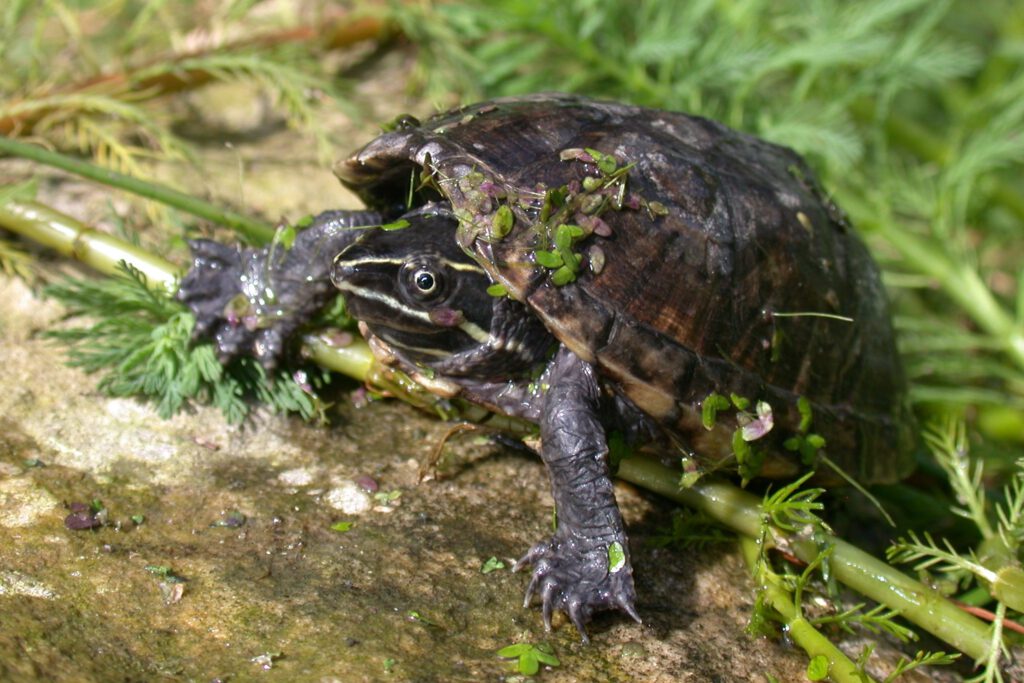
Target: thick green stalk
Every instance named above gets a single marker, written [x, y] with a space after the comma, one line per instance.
[256, 231]
[76, 240]
[869, 576]
[841, 669]
[352, 360]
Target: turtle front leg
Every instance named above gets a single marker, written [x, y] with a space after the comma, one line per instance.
[251, 301]
[584, 567]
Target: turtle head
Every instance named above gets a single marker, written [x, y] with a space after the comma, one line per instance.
[418, 292]
[415, 289]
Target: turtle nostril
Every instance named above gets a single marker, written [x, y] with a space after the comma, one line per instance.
[341, 272]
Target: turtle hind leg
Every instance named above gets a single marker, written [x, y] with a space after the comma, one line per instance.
[584, 567]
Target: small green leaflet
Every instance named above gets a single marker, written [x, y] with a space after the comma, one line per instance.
[501, 222]
[497, 289]
[808, 446]
[563, 276]
[530, 656]
[657, 208]
[709, 409]
[342, 526]
[616, 558]
[562, 259]
[553, 200]
[492, 564]
[804, 407]
[395, 225]
[413, 615]
[565, 235]
[548, 259]
[817, 668]
[285, 236]
[740, 448]
[605, 162]
[387, 497]
[164, 572]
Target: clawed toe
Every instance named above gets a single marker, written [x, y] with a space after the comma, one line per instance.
[625, 604]
[548, 603]
[579, 615]
[577, 581]
[532, 556]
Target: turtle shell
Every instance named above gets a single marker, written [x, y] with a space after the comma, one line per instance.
[709, 262]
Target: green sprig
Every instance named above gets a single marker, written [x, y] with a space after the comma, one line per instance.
[142, 346]
[530, 657]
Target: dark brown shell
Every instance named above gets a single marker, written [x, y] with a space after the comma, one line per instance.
[687, 302]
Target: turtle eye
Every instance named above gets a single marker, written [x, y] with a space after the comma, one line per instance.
[425, 283]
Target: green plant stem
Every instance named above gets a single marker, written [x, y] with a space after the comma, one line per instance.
[869, 576]
[841, 669]
[254, 230]
[76, 240]
[352, 360]
[962, 284]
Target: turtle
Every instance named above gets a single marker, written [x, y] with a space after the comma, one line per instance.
[605, 271]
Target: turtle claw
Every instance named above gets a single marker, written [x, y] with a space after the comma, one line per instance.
[547, 605]
[571, 574]
[629, 608]
[579, 619]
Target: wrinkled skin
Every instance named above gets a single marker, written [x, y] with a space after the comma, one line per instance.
[675, 297]
[251, 301]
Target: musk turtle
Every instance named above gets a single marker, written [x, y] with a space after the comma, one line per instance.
[595, 268]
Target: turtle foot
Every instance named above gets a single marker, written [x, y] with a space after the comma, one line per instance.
[213, 290]
[579, 577]
[251, 302]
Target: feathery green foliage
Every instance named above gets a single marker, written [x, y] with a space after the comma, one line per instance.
[911, 111]
[994, 565]
[86, 76]
[141, 343]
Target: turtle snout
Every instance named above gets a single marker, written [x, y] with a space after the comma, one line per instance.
[342, 272]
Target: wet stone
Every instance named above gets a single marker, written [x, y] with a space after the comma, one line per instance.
[398, 596]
